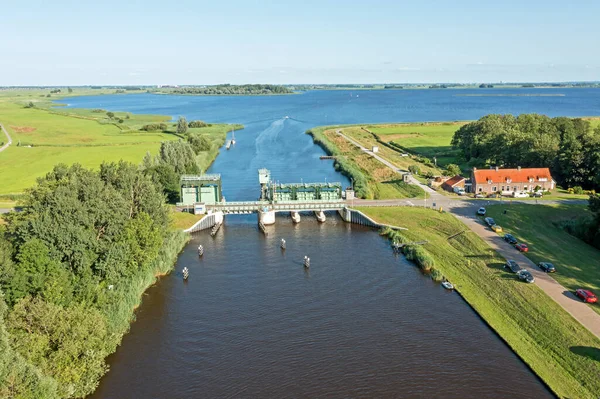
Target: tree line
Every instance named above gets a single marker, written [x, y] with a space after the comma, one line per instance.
[73, 265]
[226, 89]
[568, 146]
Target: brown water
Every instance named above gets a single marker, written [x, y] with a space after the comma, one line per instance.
[362, 323]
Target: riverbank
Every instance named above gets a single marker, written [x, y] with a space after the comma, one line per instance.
[557, 348]
[371, 180]
[44, 134]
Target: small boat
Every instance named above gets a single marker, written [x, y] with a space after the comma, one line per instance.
[306, 261]
[200, 250]
[228, 144]
[447, 285]
[233, 137]
[286, 117]
[282, 243]
[186, 273]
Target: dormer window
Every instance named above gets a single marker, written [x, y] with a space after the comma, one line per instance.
[531, 179]
[508, 180]
[542, 179]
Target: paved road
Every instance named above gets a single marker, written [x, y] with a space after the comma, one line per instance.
[9, 142]
[465, 210]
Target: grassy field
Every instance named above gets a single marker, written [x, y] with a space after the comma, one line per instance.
[382, 182]
[44, 136]
[428, 139]
[561, 351]
[577, 263]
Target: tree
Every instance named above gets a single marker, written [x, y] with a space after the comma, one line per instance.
[199, 142]
[182, 125]
[110, 114]
[453, 169]
[70, 90]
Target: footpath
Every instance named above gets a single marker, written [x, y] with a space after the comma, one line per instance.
[9, 142]
[465, 210]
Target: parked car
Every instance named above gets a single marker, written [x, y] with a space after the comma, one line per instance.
[489, 221]
[525, 275]
[538, 194]
[481, 211]
[509, 238]
[512, 266]
[522, 247]
[520, 194]
[496, 228]
[586, 295]
[479, 195]
[547, 267]
[459, 190]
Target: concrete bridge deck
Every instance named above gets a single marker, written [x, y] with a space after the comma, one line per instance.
[241, 207]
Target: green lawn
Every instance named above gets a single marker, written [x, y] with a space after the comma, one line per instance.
[577, 263]
[183, 220]
[428, 139]
[561, 351]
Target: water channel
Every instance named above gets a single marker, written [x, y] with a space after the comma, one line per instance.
[251, 322]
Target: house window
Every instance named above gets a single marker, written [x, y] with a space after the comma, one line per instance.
[515, 188]
[524, 188]
[494, 189]
[480, 189]
[502, 188]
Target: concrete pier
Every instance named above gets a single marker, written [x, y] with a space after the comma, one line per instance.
[320, 216]
[295, 216]
[266, 216]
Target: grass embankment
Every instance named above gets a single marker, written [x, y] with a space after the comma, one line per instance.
[577, 263]
[182, 220]
[372, 179]
[49, 135]
[561, 351]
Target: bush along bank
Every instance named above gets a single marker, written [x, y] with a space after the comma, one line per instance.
[414, 252]
[73, 266]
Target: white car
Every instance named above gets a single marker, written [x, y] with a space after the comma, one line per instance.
[481, 211]
[521, 194]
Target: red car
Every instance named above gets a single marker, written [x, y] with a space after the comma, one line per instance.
[522, 247]
[586, 295]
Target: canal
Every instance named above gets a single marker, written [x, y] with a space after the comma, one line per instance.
[251, 322]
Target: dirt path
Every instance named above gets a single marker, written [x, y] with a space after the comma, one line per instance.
[5, 146]
[465, 210]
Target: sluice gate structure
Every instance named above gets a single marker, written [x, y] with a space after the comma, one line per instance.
[203, 194]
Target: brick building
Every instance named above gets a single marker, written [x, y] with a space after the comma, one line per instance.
[509, 181]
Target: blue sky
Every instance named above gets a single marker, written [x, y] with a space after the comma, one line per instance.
[64, 42]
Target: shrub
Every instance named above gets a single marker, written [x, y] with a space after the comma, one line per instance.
[420, 256]
[30, 104]
[414, 169]
[194, 124]
[152, 127]
[436, 275]
[577, 190]
[98, 111]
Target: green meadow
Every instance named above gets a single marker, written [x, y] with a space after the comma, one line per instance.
[45, 135]
[427, 139]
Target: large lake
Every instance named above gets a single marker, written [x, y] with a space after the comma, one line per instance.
[252, 323]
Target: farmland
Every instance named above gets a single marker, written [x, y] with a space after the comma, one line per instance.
[44, 135]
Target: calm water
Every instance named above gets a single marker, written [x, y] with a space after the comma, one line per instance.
[271, 141]
[252, 323]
